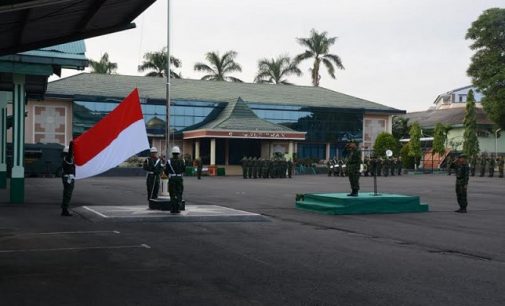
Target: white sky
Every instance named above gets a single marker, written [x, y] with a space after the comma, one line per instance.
[400, 53]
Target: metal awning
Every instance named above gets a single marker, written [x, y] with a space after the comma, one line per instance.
[32, 24]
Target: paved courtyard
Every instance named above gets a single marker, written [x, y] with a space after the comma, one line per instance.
[289, 257]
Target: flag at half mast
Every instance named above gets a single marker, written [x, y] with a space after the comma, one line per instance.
[118, 136]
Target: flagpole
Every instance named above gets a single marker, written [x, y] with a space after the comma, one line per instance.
[167, 128]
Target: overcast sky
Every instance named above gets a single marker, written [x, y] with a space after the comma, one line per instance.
[401, 53]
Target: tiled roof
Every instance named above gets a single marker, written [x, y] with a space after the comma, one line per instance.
[450, 116]
[118, 86]
[238, 116]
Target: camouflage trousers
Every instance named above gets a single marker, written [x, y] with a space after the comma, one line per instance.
[354, 180]
[461, 195]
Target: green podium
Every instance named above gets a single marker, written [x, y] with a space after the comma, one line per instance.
[365, 203]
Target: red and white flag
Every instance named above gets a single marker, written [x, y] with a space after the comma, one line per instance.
[118, 136]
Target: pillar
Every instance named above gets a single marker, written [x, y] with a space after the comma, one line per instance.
[17, 190]
[4, 96]
[213, 151]
[328, 151]
[197, 149]
[291, 148]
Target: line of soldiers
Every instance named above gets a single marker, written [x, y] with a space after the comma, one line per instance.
[484, 162]
[276, 167]
[383, 167]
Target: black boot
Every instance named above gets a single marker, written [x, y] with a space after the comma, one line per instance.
[65, 212]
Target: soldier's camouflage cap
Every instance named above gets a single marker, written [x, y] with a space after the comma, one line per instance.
[462, 155]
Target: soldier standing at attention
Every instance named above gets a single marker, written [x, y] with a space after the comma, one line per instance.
[175, 168]
[500, 166]
[290, 167]
[243, 163]
[491, 165]
[473, 164]
[153, 167]
[462, 172]
[483, 164]
[199, 166]
[67, 177]
[387, 165]
[399, 165]
[353, 163]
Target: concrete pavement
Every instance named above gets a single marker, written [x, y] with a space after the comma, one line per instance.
[297, 258]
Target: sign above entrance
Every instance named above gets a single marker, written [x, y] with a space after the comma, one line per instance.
[245, 134]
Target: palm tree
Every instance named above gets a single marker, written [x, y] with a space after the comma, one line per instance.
[219, 67]
[157, 61]
[103, 65]
[273, 70]
[318, 45]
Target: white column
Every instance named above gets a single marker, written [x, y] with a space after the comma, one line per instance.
[213, 152]
[291, 148]
[17, 192]
[197, 149]
[327, 151]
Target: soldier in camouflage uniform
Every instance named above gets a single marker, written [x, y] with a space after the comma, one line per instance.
[483, 159]
[462, 172]
[353, 165]
[249, 167]
[473, 164]
[501, 162]
[449, 163]
[491, 164]
[243, 164]
[175, 168]
[386, 166]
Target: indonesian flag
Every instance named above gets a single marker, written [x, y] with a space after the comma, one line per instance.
[118, 136]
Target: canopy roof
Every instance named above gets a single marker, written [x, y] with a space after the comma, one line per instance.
[237, 120]
[32, 24]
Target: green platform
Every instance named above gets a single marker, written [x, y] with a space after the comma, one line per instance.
[365, 203]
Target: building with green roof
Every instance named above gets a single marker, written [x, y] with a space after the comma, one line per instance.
[221, 122]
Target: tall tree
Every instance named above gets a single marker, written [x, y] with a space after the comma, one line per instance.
[318, 47]
[219, 67]
[274, 70]
[415, 142]
[157, 61]
[488, 63]
[104, 65]
[439, 139]
[471, 142]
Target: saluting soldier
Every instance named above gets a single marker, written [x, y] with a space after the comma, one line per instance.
[353, 163]
[153, 166]
[175, 169]
[67, 178]
[462, 172]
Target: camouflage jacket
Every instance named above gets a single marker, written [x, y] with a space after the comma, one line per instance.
[462, 174]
